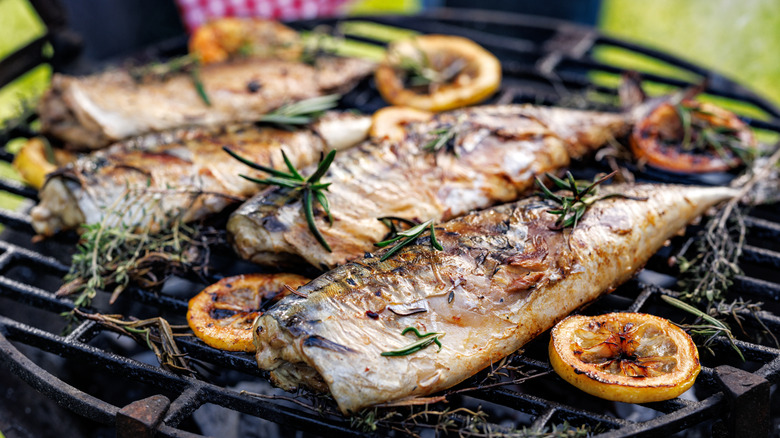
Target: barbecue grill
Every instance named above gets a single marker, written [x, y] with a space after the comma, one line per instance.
[545, 61]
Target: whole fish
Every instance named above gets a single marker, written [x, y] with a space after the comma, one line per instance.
[504, 276]
[183, 173]
[487, 155]
[94, 111]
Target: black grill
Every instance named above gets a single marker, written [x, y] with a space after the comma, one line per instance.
[545, 61]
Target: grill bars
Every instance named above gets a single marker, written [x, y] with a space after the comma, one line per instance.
[545, 61]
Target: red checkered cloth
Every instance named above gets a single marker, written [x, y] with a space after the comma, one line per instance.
[196, 12]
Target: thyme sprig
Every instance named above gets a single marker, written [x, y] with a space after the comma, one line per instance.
[309, 189]
[573, 207]
[302, 112]
[114, 254]
[408, 236]
[164, 70]
[710, 331]
[156, 333]
[425, 340]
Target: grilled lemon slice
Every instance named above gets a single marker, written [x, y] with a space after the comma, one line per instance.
[389, 123]
[627, 357]
[222, 314]
[437, 73]
[36, 159]
[692, 137]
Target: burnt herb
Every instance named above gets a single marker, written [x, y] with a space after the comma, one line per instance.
[309, 189]
[300, 113]
[156, 333]
[408, 236]
[573, 207]
[425, 340]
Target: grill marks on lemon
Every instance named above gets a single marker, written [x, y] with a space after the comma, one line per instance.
[222, 314]
[629, 357]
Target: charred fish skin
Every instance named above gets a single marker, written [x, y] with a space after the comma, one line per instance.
[182, 173]
[503, 277]
[493, 156]
[94, 111]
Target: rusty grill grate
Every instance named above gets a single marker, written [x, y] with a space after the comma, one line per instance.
[545, 61]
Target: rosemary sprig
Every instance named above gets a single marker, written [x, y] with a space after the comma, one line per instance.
[712, 330]
[309, 189]
[699, 134]
[407, 237]
[302, 112]
[163, 70]
[442, 137]
[425, 339]
[574, 207]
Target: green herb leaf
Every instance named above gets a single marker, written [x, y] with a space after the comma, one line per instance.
[425, 340]
[408, 237]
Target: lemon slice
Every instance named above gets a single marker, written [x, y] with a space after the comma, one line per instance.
[437, 73]
[222, 314]
[389, 123]
[627, 357]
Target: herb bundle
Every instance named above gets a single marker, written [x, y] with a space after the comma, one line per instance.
[309, 189]
[700, 134]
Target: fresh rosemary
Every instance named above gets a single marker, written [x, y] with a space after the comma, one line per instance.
[407, 237]
[425, 340]
[420, 72]
[163, 70]
[300, 113]
[443, 137]
[572, 208]
[309, 189]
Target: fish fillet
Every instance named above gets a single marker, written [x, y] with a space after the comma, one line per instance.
[497, 152]
[503, 278]
[184, 172]
[93, 111]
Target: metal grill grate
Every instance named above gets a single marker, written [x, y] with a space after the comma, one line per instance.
[545, 61]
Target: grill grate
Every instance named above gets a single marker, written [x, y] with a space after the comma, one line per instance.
[545, 61]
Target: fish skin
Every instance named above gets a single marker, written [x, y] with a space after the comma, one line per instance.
[512, 278]
[188, 166]
[94, 111]
[500, 151]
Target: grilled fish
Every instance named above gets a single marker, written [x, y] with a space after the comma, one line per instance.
[494, 154]
[94, 111]
[503, 277]
[153, 178]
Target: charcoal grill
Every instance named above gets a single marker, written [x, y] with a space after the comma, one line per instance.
[545, 61]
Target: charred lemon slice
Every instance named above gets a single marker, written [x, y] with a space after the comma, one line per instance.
[627, 357]
[222, 314]
[36, 159]
[232, 37]
[692, 137]
[390, 123]
[437, 73]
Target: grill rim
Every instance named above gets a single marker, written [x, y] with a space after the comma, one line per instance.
[192, 390]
